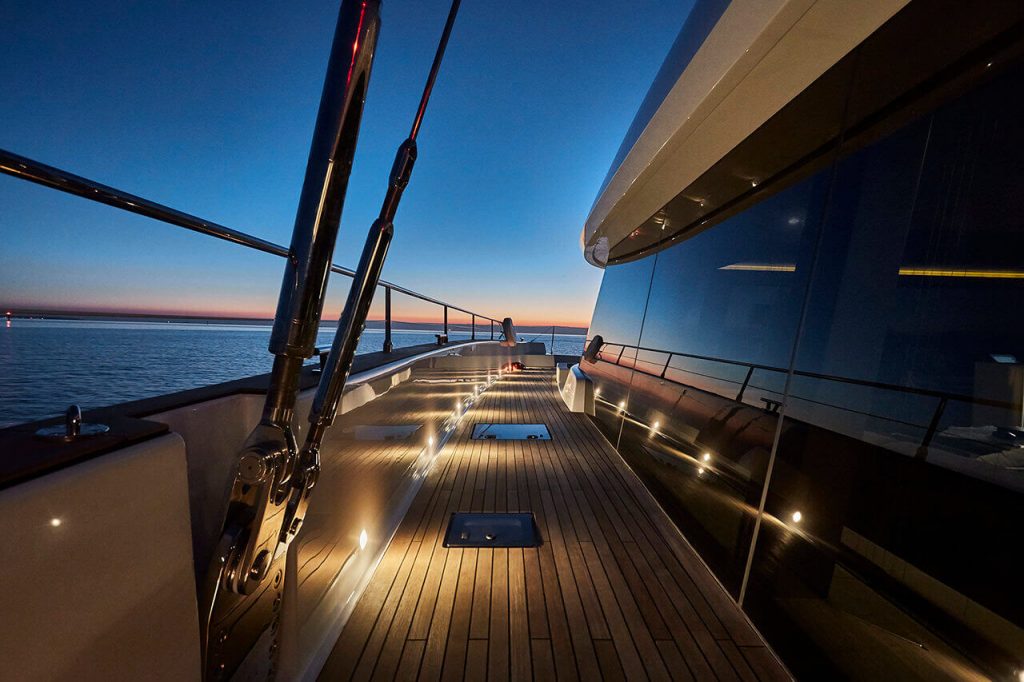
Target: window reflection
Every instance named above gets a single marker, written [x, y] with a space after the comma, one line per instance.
[855, 364]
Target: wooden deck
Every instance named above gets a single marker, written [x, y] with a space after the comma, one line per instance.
[613, 592]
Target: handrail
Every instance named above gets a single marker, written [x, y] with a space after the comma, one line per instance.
[815, 375]
[24, 168]
[930, 430]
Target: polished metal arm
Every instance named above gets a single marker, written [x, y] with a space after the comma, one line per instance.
[258, 521]
[357, 306]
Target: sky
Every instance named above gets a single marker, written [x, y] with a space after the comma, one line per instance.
[209, 107]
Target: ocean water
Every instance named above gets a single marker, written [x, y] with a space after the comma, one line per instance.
[46, 365]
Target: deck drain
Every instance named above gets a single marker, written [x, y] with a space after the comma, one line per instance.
[517, 529]
[511, 432]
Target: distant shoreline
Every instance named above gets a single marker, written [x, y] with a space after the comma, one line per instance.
[396, 325]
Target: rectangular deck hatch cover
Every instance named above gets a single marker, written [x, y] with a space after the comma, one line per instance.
[492, 530]
[511, 432]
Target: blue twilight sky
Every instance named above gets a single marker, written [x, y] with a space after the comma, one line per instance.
[209, 107]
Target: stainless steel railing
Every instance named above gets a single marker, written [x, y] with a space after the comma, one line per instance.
[28, 169]
[613, 353]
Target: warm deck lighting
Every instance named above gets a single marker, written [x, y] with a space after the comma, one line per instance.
[363, 538]
[597, 392]
[656, 425]
[430, 440]
[760, 267]
[796, 517]
[961, 272]
[706, 457]
[55, 522]
[700, 471]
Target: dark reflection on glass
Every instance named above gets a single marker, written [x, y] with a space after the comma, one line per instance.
[618, 318]
[884, 550]
[736, 291]
[718, 337]
[619, 311]
[895, 493]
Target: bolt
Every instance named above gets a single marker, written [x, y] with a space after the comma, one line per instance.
[251, 469]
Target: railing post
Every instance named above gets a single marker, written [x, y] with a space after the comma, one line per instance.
[743, 388]
[472, 333]
[388, 346]
[446, 322]
[922, 450]
[668, 360]
[492, 330]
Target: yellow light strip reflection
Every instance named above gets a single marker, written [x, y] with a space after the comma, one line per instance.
[945, 272]
[760, 267]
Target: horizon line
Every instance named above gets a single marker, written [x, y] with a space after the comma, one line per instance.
[18, 311]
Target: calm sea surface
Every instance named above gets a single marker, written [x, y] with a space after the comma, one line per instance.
[45, 365]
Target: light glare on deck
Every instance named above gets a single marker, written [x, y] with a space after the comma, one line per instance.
[55, 522]
[797, 517]
[706, 457]
[363, 538]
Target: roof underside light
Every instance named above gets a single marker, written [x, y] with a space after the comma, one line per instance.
[967, 273]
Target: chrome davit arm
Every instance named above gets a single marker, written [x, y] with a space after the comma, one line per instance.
[357, 305]
[371, 262]
[241, 594]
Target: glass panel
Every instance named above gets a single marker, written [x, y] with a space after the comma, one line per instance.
[618, 316]
[619, 311]
[726, 303]
[885, 548]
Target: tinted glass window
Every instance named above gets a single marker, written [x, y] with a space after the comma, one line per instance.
[896, 480]
[718, 337]
[735, 291]
[620, 305]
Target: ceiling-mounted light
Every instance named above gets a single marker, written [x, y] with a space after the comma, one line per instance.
[760, 267]
[907, 271]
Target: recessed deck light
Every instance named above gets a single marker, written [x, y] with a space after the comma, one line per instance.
[796, 517]
[55, 522]
[363, 538]
[706, 457]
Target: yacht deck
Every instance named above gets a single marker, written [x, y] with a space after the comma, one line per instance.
[613, 592]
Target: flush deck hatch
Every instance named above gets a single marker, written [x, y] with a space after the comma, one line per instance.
[511, 432]
[517, 529]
